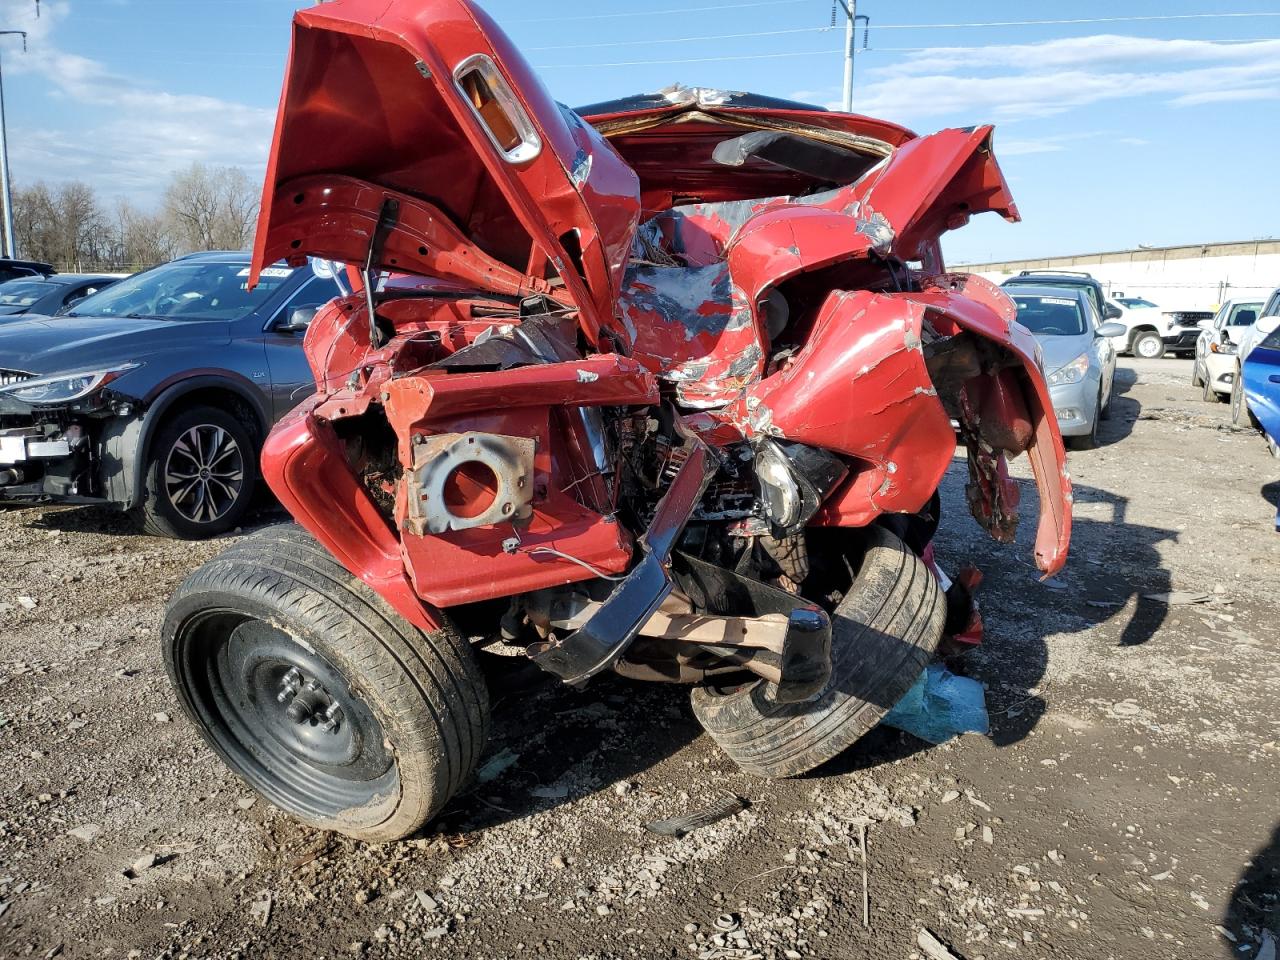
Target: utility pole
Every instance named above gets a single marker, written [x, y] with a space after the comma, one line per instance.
[852, 17]
[5, 189]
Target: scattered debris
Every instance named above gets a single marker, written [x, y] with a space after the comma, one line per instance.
[555, 791]
[1178, 598]
[88, 832]
[160, 717]
[933, 947]
[940, 705]
[950, 795]
[140, 866]
[679, 826]
[27, 603]
[494, 767]
[427, 901]
[260, 909]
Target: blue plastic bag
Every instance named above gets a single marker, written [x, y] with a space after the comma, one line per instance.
[940, 705]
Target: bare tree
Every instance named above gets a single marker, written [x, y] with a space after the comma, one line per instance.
[35, 222]
[204, 208]
[81, 224]
[143, 239]
[211, 208]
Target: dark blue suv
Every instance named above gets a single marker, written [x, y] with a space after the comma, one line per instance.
[155, 394]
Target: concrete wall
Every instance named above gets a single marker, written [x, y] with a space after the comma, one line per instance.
[1191, 277]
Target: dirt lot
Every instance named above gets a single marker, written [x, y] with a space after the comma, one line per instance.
[1124, 805]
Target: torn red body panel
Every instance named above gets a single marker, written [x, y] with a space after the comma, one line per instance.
[694, 323]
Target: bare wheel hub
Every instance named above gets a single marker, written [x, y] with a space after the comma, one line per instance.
[306, 701]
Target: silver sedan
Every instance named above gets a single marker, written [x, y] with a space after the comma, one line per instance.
[1079, 359]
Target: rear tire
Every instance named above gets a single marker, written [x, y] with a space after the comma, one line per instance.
[200, 476]
[249, 633]
[1147, 345]
[1209, 394]
[883, 634]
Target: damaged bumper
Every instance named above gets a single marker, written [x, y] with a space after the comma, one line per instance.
[601, 641]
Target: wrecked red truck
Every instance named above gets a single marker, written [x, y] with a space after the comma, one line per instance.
[663, 387]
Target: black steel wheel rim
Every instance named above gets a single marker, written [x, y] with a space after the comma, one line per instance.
[204, 473]
[286, 719]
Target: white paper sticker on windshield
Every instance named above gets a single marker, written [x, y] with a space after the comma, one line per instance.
[278, 273]
[1061, 301]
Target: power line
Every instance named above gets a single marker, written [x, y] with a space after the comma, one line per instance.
[892, 26]
[1077, 20]
[819, 53]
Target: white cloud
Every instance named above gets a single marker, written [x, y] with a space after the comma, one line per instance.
[1022, 81]
[144, 134]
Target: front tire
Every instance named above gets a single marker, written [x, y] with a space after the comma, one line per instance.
[1209, 395]
[1148, 345]
[272, 641]
[200, 476]
[883, 633]
[1240, 415]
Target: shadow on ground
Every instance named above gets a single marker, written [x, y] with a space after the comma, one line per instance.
[1112, 574]
[1255, 902]
[1124, 410]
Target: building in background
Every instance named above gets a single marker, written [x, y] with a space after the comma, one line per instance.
[1194, 277]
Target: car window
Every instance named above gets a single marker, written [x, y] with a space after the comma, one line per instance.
[79, 292]
[315, 294]
[1272, 340]
[312, 295]
[1094, 319]
[1051, 316]
[186, 290]
[1243, 314]
[1132, 302]
[23, 293]
[1273, 305]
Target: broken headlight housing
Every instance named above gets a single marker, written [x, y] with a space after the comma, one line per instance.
[64, 387]
[794, 480]
[1072, 372]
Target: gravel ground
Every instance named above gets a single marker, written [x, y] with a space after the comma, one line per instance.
[1124, 805]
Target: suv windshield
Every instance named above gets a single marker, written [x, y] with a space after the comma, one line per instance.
[185, 290]
[1050, 316]
[22, 293]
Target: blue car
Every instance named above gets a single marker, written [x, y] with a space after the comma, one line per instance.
[1261, 379]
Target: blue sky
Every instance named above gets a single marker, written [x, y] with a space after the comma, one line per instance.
[1112, 134]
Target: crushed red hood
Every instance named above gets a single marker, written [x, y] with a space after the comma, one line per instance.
[429, 106]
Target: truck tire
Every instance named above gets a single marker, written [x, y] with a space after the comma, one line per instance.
[883, 633]
[273, 641]
[1147, 345]
[200, 475]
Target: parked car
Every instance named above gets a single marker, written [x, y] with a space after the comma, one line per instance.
[672, 402]
[11, 269]
[1183, 328]
[1144, 327]
[1261, 379]
[1073, 279]
[48, 296]
[1246, 340]
[1079, 356]
[1215, 362]
[155, 394]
